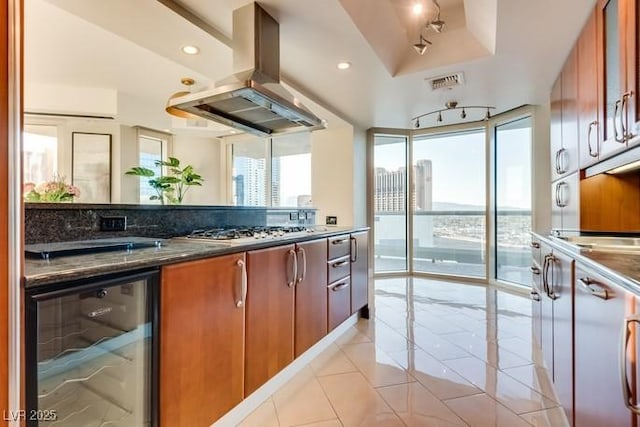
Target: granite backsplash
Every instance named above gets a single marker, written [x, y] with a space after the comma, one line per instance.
[60, 222]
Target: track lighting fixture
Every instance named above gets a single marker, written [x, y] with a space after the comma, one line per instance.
[421, 46]
[436, 25]
[449, 106]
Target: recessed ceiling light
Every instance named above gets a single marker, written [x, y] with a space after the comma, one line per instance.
[344, 65]
[417, 8]
[190, 49]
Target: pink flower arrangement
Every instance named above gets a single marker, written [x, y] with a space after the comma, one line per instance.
[55, 190]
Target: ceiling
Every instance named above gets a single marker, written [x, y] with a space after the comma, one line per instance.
[509, 50]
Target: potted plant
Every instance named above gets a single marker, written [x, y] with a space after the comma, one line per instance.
[172, 187]
[56, 190]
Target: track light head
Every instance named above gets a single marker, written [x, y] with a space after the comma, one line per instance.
[421, 46]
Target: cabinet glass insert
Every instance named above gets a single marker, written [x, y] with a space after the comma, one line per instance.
[611, 64]
[92, 350]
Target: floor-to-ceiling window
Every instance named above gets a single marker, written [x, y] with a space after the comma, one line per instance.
[390, 203]
[513, 200]
[448, 196]
[430, 198]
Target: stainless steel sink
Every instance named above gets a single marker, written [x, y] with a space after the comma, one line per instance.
[605, 243]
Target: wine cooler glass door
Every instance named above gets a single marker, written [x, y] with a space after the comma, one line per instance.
[93, 364]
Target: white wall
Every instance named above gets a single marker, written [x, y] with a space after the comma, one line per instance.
[359, 177]
[332, 174]
[204, 154]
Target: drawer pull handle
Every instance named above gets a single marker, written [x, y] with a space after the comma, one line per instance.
[586, 285]
[340, 264]
[535, 245]
[340, 287]
[535, 270]
[338, 241]
[534, 295]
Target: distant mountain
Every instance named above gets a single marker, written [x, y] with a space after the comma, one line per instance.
[446, 206]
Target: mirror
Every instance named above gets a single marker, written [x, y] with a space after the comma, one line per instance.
[117, 81]
[96, 108]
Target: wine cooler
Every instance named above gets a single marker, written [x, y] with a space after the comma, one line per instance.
[91, 352]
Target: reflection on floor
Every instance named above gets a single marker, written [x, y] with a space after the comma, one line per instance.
[436, 354]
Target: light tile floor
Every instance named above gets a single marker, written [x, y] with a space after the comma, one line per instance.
[436, 354]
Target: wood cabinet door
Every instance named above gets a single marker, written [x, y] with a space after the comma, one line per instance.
[611, 48]
[556, 128]
[269, 314]
[359, 270]
[568, 159]
[561, 292]
[632, 66]
[546, 310]
[588, 125]
[201, 340]
[311, 294]
[599, 313]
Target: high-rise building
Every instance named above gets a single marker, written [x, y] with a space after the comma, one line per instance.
[249, 179]
[390, 188]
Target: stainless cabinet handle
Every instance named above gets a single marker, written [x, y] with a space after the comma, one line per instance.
[293, 260]
[534, 296]
[591, 152]
[304, 264]
[535, 245]
[562, 167]
[342, 284]
[558, 162]
[354, 249]
[338, 241]
[563, 202]
[627, 393]
[545, 278]
[586, 284]
[340, 264]
[535, 270]
[615, 124]
[624, 117]
[243, 284]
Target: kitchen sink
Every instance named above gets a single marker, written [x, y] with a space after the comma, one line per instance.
[605, 243]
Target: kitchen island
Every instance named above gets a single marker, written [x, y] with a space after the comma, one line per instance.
[227, 322]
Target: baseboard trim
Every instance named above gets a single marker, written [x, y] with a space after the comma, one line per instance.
[255, 399]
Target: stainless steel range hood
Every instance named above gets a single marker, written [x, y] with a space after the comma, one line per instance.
[252, 100]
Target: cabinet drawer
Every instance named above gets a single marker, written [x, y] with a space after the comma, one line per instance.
[339, 246]
[339, 299]
[339, 268]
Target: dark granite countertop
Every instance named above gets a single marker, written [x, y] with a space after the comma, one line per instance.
[621, 268]
[40, 272]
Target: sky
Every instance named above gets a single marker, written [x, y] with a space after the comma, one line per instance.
[458, 163]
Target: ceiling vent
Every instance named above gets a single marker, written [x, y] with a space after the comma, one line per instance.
[446, 82]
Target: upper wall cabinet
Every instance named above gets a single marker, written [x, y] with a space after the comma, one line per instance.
[568, 158]
[617, 41]
[588, 122]
[564, 119]
[556, 127]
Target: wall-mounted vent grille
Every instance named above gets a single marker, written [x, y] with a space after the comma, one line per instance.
[444, 82]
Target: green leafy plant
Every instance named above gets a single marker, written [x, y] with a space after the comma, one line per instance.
[172, 187]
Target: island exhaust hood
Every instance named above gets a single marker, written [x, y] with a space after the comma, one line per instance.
[252, 99]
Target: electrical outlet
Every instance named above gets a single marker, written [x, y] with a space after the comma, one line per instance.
[113, 223]
[332, 220]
